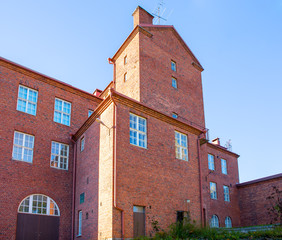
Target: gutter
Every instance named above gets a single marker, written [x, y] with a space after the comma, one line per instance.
[73, 188]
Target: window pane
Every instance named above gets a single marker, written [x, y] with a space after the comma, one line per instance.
[21, 105]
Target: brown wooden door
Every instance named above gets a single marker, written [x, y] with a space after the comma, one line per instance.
[37, 227]
[138, 221]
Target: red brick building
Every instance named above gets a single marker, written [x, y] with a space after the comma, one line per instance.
[106, 165]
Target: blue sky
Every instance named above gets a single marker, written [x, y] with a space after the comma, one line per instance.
[239, 43]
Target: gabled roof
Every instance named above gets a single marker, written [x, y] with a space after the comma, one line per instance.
[145, 29]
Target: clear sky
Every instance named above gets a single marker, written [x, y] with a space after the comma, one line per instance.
[238, 42]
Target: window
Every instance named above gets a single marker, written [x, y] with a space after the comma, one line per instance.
[214, 223]
[181, 216]
[223, 166]
[39, 204]
[226, 194]
[82, 142]
[228, 222]
[138, 131]
[23, 147]
[211, 162]
[174, 82]
[125, 60]
[174, 115]
[27, 100]
[181, 149]
[173, 66]
[213, 190]
[79, 223]
[90, 112]
[125, 77]
[81, 198]
[62, 112]
[59, 155]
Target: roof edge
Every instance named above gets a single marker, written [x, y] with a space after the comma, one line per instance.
[259, 180]
[223, 149]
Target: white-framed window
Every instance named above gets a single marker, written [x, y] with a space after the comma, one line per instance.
[39, 204]
[211, 162]
[82, 142]
[173, 66]
[214, 223]
[23, 147]
[62, 113]
[90, 112]
[223, 166]
[226, 193]
[228, 222]
[59, 155]
[138, 131]
[174, 115]
[27, 100]
[125, 77]
[181, 149]
[79, 230]
[213, 190]
[174, 82]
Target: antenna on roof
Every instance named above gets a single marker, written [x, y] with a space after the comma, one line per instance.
[158, 13]
[228, 145]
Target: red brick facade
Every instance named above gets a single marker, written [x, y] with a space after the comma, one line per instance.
[112, 174]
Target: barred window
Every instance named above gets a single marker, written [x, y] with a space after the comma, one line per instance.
[23, 147]
[27, 100]
[138, 131]
[59, 155]
[181, 148]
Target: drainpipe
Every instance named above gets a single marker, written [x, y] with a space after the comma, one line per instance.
[200, 180]
[73, 189]
[111, 61]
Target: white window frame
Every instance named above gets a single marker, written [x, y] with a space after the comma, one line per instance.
[213, 192]
[224, 166]
[62, 112]
[30, 206]
[211, 162]
[173, 65]
[226, 193]
[27, 100]
[79, 230]
[60, 156]
[228, 222]
[174, 82]
[214, 221]
[90, 112]
[82, 143]
[138, 131]
[23, 147]
[181, 151]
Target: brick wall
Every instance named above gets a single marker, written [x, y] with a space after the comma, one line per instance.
[253, 202]
[21, 179]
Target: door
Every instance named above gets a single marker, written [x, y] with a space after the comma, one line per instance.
[138, 221]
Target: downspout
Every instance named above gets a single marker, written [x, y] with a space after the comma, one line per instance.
[73, 189]
[111, 61]
[200, 180]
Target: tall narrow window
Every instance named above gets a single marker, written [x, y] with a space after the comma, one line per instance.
[228, 222]
[125, 60]
[82, 142]
[90, 112]
[79, 231]
[27, 100]
[214, 223]
[62, 113]
[173, 66]
[125, 77]
[226, 194]
[59, 155]
[223, 166]
[23, 147]
[213, 190]
[138, 131]
[211, 162]
[181, 149]
[81, 198]
[174, 82]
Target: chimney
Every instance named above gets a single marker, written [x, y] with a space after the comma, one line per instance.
[216, 141]
[141, 16]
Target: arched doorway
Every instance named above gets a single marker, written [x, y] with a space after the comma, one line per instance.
[38, 218]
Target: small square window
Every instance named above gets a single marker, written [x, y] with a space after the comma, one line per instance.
[125, 60]
[27, 100]
[125, 77]
[23, 147]
[82, 142]
[62, 112]
[173, 66]
[90, 112]
[174, 82]
[81, 198]
[211, 162]
[174, 115]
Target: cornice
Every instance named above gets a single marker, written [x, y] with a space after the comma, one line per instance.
[43, 78]
[222, 149]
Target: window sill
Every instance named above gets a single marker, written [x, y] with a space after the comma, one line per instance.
[139, 146]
